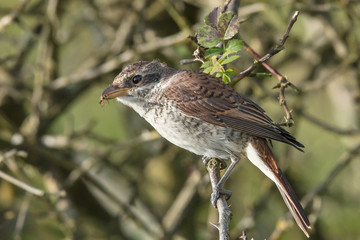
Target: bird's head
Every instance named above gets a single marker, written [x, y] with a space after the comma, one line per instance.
[136, 79]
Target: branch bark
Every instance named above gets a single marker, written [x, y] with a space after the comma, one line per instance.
[224, 211]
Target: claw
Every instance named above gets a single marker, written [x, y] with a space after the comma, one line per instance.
[215, 195]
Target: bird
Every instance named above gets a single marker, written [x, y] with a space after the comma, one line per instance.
[200, 113]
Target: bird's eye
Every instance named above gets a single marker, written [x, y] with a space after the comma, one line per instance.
[136, 79]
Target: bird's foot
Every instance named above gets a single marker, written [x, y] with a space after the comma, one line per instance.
[217, 192]
[205, 160]
[223, 163]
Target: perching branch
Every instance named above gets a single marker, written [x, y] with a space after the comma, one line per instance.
[213, 167]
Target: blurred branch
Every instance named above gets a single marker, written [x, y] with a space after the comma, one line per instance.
[62, 205]
[344, 160]
[135, 209]
[180, 20]
[21, 184]
[177, 211]
[9, 155]
[126, 28]
[231, 6]
[329, 127]
[286, 221]
[330, 76]
[114, 63]
[9, 18]
[20, 220]
[79, 171]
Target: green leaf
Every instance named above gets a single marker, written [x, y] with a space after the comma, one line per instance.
[213, 51]
[208, 37]
[208, 69]
[215, 69]
[233, 46]
[217, 66]
[228, 59]
[231, 51]
[232, 29]
[212, 18]
[206, 64]
[226, 79]
[223, 23]
[229, 72]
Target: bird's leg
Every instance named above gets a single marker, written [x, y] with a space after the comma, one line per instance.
[218, 189]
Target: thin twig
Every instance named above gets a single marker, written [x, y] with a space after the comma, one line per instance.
[262, 60]
[283, 82]
[282, 85]
[21, 184]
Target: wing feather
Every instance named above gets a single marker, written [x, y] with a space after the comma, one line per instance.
[208, 98]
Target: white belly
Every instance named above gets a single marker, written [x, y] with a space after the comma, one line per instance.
[190, 133]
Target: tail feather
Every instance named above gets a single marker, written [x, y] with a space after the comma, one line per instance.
[261, 156]
[293, 203]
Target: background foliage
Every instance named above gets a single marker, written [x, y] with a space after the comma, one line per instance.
[103, 173]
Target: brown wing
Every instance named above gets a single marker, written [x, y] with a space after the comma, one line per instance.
[208, 98]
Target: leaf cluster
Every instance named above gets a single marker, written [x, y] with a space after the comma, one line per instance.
[217, 37]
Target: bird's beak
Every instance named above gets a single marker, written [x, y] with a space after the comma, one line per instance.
[113, 92]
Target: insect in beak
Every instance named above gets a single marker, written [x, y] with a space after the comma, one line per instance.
[102, 100]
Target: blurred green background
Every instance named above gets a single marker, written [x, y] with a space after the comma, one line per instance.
[102, 170]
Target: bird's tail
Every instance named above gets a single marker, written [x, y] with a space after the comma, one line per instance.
[293, 203]
[262, 157]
